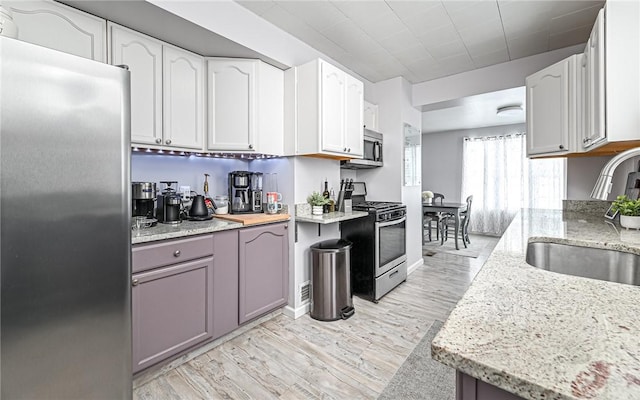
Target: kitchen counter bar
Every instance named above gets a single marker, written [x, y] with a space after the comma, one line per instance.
[543, 335]
[330, 218]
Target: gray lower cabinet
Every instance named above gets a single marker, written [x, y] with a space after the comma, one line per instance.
[264, 269]
[225, 282]
[470, 388]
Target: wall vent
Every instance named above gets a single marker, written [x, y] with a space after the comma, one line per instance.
[305, 292]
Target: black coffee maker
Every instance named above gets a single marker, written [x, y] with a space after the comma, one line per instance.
[245, 192]
[143, 199]
[169, 204]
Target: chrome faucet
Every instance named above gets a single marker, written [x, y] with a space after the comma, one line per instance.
[603, 185]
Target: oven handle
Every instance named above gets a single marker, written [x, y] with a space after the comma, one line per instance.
[394, 222]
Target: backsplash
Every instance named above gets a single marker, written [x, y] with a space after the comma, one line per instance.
[586, 206]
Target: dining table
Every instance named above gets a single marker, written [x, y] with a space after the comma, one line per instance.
[446, 207]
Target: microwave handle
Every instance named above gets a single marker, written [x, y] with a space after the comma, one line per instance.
[376, 151]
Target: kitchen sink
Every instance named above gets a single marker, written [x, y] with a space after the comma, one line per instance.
[587, 262]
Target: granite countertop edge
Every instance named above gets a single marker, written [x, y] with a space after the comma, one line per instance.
[543, 335]
[189, 228]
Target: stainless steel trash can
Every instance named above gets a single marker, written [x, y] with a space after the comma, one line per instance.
[331, 297]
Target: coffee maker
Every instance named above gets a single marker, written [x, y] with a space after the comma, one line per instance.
[143, 199]
[245, 192]
[169, 204]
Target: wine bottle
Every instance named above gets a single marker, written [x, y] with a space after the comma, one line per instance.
[325, 194]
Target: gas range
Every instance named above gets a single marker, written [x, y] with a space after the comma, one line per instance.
[383, 210]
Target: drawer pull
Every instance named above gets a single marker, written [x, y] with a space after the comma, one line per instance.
[134, 282]
[392, 274]
[176, 253]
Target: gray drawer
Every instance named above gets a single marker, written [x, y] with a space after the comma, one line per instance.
[392, 278]
[167, 252]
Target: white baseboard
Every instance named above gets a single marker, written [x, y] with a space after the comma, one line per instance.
[296, 313]
[415, 266]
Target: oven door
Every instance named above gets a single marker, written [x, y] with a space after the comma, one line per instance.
[390, 244]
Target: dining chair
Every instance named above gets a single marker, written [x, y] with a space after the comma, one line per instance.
[430, 217]
[463, 229]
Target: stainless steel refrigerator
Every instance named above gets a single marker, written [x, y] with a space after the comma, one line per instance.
[65, 226]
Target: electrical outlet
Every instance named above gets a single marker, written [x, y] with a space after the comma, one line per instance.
[185, 191]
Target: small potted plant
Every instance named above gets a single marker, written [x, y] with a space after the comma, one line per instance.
[317, 201]
[427, 197]
[629, 211]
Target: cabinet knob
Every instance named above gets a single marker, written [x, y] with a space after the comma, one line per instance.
[349, 150]
[158, 140]
[561, 147]
[168, 141]
[251, 146]
[176, 253]
[586, 140]
[134, 282]
[345, 149]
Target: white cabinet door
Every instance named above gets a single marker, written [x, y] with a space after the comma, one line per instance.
[270, 105]
[548, 110]
[143, 55]
[370, 116]
[595, 83]
[353, 134]
[183, 104]
[232, 105]
[332, 91]
[59, 27]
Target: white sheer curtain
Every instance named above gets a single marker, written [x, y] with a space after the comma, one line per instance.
[502, 180]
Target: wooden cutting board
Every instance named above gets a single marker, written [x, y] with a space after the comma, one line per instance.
[252, 219]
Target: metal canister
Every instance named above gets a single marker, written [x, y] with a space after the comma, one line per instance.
[143, 190]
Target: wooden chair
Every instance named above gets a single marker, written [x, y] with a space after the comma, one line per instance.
[463, 230]
[430, 217]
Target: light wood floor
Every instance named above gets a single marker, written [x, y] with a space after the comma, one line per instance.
[308, 359]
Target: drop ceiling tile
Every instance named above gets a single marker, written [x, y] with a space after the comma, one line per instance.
[363, 11]
[460, 62]
[319, 14]
[257, 7]
[447, 50]
[528, 45]
[486, 33]
[565, 7]
[411, 54]
[284, 20]
[407, 9]
[496, 57]
[488, 47]
[524, 17]
[382, 28]
[379, 57]
[417, 66]
[569, 38]
[439, 36]
[473, 14]
[584, 17]
[435, 17]
[400, 41]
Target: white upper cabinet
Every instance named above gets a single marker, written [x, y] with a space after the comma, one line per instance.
[143, 56]
[332, 108]
[548, 110]
[231, 106]
[594, 55]
[353, 136]
[613, 62]
[370, 116]
[245, 106]
[59, 27]
[183, 98]
[326, 107]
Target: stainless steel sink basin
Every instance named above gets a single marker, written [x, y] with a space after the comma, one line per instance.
[588, 262]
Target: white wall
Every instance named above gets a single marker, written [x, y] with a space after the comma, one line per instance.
[442, 158]
[309, 176]
[489, 79]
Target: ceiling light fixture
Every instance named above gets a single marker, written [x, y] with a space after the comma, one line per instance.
[509, 111]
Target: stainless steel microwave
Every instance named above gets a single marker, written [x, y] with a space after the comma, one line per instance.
[372, 152]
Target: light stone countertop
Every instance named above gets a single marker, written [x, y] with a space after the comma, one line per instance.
[186, 228]
[303, 214]
[543, 335]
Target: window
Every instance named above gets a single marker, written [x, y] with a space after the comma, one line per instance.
[502, 180]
